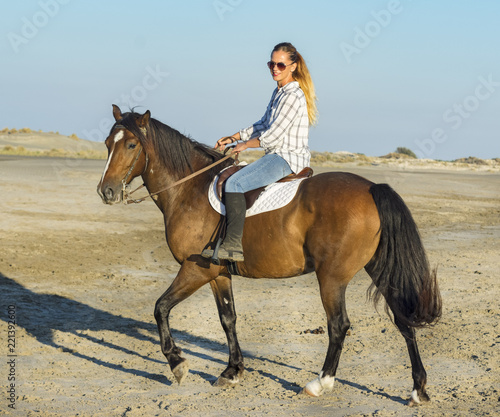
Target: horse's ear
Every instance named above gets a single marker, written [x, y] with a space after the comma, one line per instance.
[143, 120]
[117, 113]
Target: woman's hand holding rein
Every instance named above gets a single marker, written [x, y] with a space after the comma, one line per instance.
[227, 140]
[240, 147]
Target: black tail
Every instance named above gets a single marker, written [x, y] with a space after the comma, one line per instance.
[400, 269]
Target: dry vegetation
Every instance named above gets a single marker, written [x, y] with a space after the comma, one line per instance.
[401, 160]
[402, 157]
[7, 131]
[83, 151]
[54, 153]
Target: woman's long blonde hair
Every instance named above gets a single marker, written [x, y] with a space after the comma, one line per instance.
[302, 75]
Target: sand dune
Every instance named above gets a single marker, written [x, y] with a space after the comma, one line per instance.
[42, 142]
[53, 144]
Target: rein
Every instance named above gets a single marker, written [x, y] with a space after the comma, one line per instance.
[126, 195]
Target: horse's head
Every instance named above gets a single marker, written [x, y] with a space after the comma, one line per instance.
[126, 156]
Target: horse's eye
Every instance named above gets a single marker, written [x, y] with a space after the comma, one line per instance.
[131, 146]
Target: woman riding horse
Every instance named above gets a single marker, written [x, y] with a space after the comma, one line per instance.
[282, 132]
[337, 224]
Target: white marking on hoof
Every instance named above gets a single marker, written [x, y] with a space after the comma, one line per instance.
[225, 382]
[414, 400]
[180, 371]
[319, 385]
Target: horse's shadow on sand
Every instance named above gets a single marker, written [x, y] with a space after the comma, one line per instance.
[41, 315]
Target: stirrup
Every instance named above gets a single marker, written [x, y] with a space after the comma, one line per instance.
[213, 254]
[207, 253]
[231, 255]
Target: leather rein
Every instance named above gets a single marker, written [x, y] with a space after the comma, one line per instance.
[126, 194]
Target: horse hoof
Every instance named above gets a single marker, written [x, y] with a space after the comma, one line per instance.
[226, 382]
[180, 371]
[319, 385]
[306, 391]
[416, 400]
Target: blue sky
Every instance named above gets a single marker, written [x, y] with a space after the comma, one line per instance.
[420, 74]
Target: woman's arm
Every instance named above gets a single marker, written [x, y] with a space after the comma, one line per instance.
[227, 140]
[257, 128]
[251, 143]
[240, 147]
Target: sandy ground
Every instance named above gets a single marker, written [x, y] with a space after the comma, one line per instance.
[83, 278]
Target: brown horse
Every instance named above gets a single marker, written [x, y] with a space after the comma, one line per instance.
[337, 224]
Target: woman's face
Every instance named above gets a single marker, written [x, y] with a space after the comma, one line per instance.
[285, 76]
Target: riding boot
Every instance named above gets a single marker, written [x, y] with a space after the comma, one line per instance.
[232, 249]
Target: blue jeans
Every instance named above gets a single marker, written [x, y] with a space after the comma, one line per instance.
[266, 170]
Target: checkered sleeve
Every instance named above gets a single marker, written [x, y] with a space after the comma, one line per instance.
[257, 128]
[286, 112]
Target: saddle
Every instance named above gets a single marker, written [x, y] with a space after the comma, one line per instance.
[251, 196]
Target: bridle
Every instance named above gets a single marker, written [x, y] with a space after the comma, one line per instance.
[131, 168]
[126, 194]
[124, 180]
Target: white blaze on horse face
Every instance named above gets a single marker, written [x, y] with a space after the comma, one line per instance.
[118, 137]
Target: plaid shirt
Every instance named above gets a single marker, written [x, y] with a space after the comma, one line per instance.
[284, 128]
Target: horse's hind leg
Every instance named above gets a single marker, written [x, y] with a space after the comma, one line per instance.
[333, 297]
[223, 294]
[189, 279]
[417, 368]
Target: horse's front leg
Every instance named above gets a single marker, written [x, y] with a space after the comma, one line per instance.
[223, 294]
[190, 278]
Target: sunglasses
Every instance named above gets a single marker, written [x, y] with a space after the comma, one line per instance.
[281, 66]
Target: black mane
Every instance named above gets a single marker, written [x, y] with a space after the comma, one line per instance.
[177, 152]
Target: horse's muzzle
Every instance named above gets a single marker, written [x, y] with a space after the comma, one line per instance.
[108, 194]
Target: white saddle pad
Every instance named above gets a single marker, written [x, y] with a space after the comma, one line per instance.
[274, 196]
